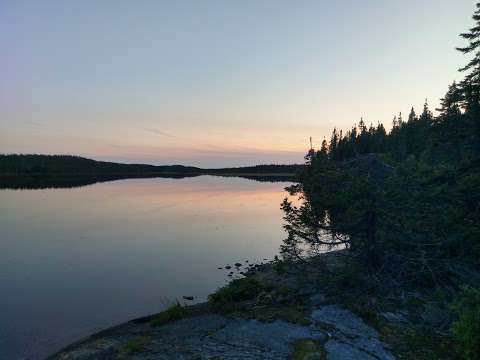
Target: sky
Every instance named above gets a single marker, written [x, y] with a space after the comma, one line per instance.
[216, 83]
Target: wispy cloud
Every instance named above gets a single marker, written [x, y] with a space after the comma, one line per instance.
[35, 123]
[158, 132]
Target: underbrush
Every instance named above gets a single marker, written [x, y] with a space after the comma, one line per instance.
[308, 350]
[466, 330]
[133, 346]
[173, 313]
[418, 322]
[228, 297]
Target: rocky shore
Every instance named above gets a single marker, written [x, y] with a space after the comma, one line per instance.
[277, 311]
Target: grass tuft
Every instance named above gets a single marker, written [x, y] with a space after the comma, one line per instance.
[227, 297]
[134, 346]
[173, 313]
[308, 349]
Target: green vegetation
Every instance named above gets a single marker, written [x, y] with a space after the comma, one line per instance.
[259, 169]
[238, 290]
[45, 171]
[466, 329]
[134, 346]
[257, 299]
[17, 164]
[308, 350]
[76, 165]
[173, 313]
[405, 205]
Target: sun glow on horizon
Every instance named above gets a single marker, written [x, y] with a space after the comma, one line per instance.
[171, 88]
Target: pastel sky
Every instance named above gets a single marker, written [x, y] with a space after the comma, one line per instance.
[215, 83]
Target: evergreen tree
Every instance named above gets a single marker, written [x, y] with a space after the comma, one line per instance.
[333, 144]
[412, 116]
[471, 84]
[473, 37]
[362, 127]
[324, 149]
[394, 123]
[412, 212]
[426, 114]
[451, 102]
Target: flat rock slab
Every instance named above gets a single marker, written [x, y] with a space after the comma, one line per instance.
[214, 337]
[202, 337]
[351, 338]
[340, 351]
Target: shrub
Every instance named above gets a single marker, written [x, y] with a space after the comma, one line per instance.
[173, 313]
[134, 346]
[237, 290]
[466, 330]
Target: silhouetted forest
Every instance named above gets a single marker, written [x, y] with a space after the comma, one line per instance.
[406, 202]
[71, 165]
[64, 171]
[273, 169]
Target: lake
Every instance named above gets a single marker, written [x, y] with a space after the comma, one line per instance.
[75, 261]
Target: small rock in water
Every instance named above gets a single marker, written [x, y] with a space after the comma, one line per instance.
[220, 268]
[246, 261]
[228, 267]
[238, 264]
[230, 275]
[188, 298]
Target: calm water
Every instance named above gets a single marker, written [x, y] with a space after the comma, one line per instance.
[75, 261]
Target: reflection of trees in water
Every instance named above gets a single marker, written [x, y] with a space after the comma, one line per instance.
[310, 228]
[69, 181]
[268, 178]
[52, 181]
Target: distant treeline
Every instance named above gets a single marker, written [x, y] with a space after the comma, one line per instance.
[259, 169]
[17, 164]
[54, 171]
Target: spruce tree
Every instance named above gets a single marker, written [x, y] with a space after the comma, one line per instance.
[324, 148]
[471, 84]
[400, 119]
[412, 116]
[473, 37]
[450, 103]
[426, 115]
[333, 144]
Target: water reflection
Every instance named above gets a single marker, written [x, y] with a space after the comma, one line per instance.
[66, 182]
[73, 261]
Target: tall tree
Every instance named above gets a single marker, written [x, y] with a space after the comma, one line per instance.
[473, 37]
[333, 144]
[450, 103]
[412, 116]
[471, 83]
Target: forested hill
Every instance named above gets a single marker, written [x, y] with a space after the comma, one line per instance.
[67, 165]
[71, 165]
[405, 202]
[288, 170]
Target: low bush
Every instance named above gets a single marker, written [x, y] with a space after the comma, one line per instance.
[134, 346]
[236, 291]
[466, 330]
[173, 313]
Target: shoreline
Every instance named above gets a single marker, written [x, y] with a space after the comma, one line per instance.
[278, 310]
